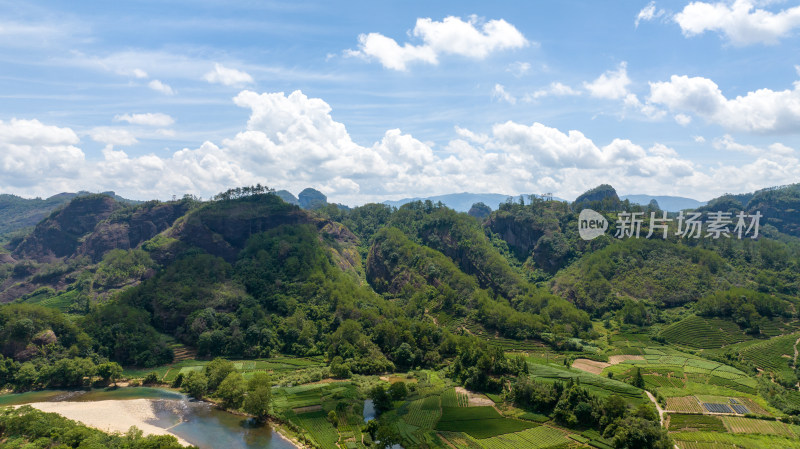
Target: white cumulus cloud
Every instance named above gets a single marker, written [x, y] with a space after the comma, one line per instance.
[612, 84]
[760, 111]
[450, 36]
[741, 21]
[32, 153]
[291, 141]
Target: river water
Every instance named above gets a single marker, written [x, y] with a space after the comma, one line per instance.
[199, 423]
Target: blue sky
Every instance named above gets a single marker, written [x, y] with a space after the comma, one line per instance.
[369, 101]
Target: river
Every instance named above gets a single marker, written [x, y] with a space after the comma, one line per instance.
[199, 423]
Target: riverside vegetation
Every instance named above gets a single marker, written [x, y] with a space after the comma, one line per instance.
[441, 319]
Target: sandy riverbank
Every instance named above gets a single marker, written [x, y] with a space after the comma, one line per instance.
[110, 416]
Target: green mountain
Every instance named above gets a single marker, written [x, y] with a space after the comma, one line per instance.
[17, 213]
[514, 304]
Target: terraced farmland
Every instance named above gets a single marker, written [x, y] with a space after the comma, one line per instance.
[707, 440]
[703, 333]
[542, 437]
[423, 412]
[681, 422]
[775, 355]
[479, 422]
[319, 428]
[686, 404]
[738, 424]
[602, 384]
[452, 398]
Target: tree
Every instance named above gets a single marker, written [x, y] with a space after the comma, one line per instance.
[257, 402]
[637, 433]
[178, 381]
[387, 436]
[259, 396]
[398, 391]
[195, 384]
[151, 378]
[333, 419]
[380, 399]
[109, 372]
[232, 391]
[339, 369]
[216, 371]
[259, 379]
[638, 380]
[26, 376]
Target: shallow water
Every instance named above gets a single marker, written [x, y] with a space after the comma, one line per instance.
[196, 422]
[369, 410]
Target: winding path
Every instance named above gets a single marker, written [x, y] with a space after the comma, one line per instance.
[658, 407]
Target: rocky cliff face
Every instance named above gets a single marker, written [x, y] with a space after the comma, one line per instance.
[520, 234]
[129, 231]
[59, 234]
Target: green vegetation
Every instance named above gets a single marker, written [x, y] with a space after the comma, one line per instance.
[479, 422]
[314, 307]
[537, 438]
[688, 423]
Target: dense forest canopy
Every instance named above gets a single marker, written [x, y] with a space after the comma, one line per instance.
[376, 289]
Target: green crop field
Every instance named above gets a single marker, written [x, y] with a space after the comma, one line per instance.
[680, 422]
[703, 333]
[319, 428]
[773, 355]
[686, 404]
[451, 398]
[734, 441]
[603, 385]
[479, 422]
[423, 412]
[738, 424]
[542, 437]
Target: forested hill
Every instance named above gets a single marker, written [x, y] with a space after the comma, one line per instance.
[17, 213]
[375, 288]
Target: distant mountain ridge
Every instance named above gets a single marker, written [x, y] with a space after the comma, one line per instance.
[665, 202]
[462, 202]
[18, 213]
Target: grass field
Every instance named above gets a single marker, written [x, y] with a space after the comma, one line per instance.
[479, 422]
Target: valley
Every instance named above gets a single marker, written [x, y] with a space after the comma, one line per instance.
[445, 329]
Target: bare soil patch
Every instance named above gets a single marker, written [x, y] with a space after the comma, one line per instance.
[475, 399]
[310, 408]
[617, 359]
[590, 366]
